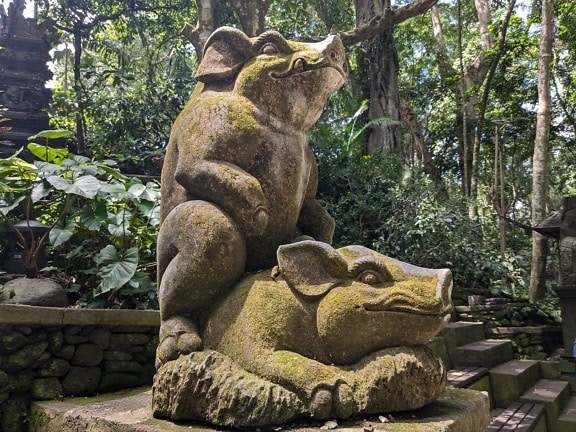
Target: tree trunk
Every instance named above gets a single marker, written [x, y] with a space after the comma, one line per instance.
[252, 15]
[378, 63]
[422, 152]
[78, 92]
[540, 158]
[204, 26]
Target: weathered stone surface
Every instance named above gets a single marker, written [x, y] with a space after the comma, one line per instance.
[37, 335]
[74, 339]
[3, 380]
[132, 329]
[55, 341]
[87, 355]
[125, 341]
[67, 352]
[24, 357]
[100, 337]
[20, 381]
[117, 381]
[293, 330]
[394, 379]
[456, 410]
[81, 381]
[325, 334]
[54, 367]
[46, 389]
[239, 178]
[12, 341]
[117, 355]
[40, 360]
[35, 292]
[123, 366]
[150, 347]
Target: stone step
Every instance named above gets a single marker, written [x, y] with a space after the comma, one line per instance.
[511, 379]
[519, 417]
[567, 419]
[487, 353]
[554, 395]
[462, 333]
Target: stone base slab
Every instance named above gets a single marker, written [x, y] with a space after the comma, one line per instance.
[457, 410]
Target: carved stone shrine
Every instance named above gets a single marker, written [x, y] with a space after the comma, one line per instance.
[24, 53]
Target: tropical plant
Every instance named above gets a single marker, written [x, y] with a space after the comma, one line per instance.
[102, 224]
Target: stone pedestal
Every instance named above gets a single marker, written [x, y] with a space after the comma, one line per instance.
[457, 410]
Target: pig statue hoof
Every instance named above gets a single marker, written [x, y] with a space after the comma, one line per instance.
[336, 403]
[336, 333]
[321, 404]
[177, 336]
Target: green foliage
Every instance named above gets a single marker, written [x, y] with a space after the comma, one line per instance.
[102, 224]
[380, 203]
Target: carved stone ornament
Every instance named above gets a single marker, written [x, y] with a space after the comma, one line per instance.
[263, 321]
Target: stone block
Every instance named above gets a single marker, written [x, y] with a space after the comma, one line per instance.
[46, 389]
[87, 355]
[54, 367]
[24, 357]
[81, 381]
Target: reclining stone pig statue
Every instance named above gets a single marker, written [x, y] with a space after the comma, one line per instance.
[239, 178]
[330, 334]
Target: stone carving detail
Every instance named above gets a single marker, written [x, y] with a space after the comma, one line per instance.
[314, 331]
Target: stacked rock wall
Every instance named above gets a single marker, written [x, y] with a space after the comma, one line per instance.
[87, 353]
[510, 321]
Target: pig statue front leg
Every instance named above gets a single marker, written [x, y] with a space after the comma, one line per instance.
[201, 253]
[323, 389]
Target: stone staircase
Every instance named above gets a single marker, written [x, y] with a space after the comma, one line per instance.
[526, 395]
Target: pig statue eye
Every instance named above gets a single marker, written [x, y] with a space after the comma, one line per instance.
[369, 277]
[269, 49]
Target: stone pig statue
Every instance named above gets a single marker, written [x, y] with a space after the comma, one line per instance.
[335, 333]
[239, 178]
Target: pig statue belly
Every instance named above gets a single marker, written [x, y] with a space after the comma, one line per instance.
[239, 178]
[331, 334]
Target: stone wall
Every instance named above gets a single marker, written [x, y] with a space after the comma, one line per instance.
[506, 321]
[48, 353]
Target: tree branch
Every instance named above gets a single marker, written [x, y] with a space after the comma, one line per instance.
[384, 21]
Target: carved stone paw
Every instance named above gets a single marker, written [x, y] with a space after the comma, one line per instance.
[177, 336]
[337, 402]
[344, 404]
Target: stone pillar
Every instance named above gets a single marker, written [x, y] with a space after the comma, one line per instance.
[567, 288]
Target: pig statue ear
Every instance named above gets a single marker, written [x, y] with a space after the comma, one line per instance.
[225, 52]
[310, 267]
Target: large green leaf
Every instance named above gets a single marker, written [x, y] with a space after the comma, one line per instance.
[52, 134]
[62, 232]
[117, 268]
[86, 186]
[47, 153]
[93, 215]
[9, 202]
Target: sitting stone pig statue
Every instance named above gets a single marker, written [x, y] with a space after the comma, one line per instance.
[330, 334]
[239, 178]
